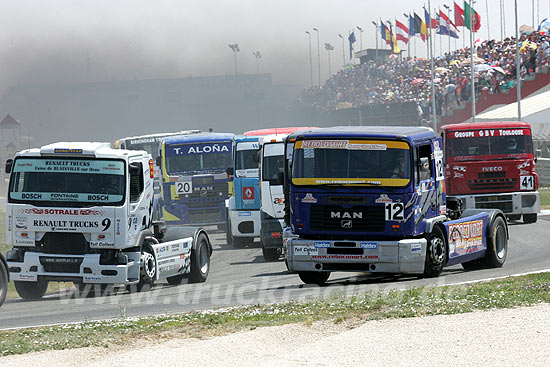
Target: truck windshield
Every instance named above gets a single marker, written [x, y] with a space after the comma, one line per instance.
[202, 157]
[480, 147]
[44, 181]
[245, 159]
[351, 162]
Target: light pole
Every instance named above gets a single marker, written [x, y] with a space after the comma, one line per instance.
[376, 37]
[360, 38]
[518, 80]
[329, 48]
[235, 48]
[501, 30]
[310, 62]
[258, 56]
[472, 62]
[318, 56]
[343, 49]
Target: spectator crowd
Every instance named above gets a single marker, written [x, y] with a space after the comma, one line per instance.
[398, 80]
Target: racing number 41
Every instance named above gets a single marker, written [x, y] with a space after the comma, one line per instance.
[526, 182]
[395, 211]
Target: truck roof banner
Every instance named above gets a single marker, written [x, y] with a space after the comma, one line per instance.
[201, 148]
[487, 133]
[110, 167]
[351, 144]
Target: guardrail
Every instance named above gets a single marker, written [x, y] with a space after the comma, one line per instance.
[543, 169]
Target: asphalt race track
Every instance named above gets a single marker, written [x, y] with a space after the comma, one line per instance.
[240, 276]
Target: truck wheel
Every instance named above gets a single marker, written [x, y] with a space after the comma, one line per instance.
[3, 282]
[436, 253]
[228, 234]
[529, 218]
[314, 277]
[148, 272]
[270, 254]
[497, 245]
[200, 261]
[31, 291]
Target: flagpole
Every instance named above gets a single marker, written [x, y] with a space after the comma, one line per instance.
[518, 80]
[488, 28]
[434, 112]
[472, 63]
[440, 35]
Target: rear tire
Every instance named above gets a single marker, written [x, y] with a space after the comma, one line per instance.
[436, 253]
[200, 260]
[497, 245]
[31, 291]
[529, 218]
[3, 282]
[314, 277]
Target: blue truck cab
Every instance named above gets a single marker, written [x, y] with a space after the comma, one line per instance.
[194, 178]
[373, 199]
[243, 207]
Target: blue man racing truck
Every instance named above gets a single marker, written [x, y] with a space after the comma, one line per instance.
[373, 199]
[194, 178]
[243, 207]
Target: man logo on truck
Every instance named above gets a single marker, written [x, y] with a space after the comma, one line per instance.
[344, 215]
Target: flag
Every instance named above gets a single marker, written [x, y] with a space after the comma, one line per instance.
[395, 47]
[427, 17]
[351, 39]
[411, 26]
[385, 33]
[402, 32]
[459, 15]
[475, 17]
[435, 22]
[448, 25]
[420, 27]
[443, 23]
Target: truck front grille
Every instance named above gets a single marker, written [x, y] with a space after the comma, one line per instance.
[493, 184]
[61, 243]
[61, 264]
[205, 216]
[334, 218]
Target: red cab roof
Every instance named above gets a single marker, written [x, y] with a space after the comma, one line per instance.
[486, 125]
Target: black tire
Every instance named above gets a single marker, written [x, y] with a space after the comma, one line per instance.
[497, 245]
[200, 260]
[314, 277]
[270, 254]
[529, 218]
[436, 253]
[147, 272]
[176, 279]
[3, 282]
[31, 291]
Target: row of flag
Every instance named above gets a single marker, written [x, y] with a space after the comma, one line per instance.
[442, 23]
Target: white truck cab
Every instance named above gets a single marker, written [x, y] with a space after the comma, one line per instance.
[82, 212]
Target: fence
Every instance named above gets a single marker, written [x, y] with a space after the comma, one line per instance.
[543, 170]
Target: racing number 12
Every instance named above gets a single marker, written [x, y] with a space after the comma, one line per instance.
[395, 211]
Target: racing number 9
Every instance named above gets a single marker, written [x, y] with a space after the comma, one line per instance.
[183, 187]
[106, 223]
[395, 211]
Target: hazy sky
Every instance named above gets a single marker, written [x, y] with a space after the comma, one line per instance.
[77, 40]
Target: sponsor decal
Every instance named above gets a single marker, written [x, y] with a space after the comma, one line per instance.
[25, 276]
[309, 198]
[384, 198]
[465, 237]
[278, 201]
[442, 209]
[416, 248]
[198, 149]
[325, 144]
[20, 222]
[101, 244]
[24, 242]
[248, 193]
[459, 168]
[491, 169]
[345, 257]
[369, 245]
[346, 214]
[346, 223]
[322, 244]
[245, 214]
[458, 175]
[367, 146]
[91, 279]
[305, 250]
[524, 164]
[489, 133]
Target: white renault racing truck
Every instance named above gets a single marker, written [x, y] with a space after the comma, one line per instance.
[82, 213]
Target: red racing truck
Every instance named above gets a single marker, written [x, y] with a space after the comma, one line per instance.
[492, 165]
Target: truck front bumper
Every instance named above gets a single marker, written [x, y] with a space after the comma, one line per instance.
[245, 223]
[404, 256]
[85, 268]
[513, 203]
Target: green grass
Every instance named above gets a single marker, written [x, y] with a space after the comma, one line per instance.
[544, 197]
[505, 293]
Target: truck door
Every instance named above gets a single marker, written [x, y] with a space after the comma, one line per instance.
[140, 206]
[426, 185]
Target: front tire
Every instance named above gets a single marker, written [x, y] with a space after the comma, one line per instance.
[314, 277]
[3, 282]
[147, 273]
[270, 254]
[31, 291]
[200, 260]
[497, 245]
[436, 253]
[529, 218]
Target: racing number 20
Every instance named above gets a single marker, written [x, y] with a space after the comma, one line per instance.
[395, 211]
[183, 187]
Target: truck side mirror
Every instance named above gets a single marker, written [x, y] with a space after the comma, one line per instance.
[159, 161]
[280, 178]
[9, 165]
[134, 169]
[424, 168]
[229, 171]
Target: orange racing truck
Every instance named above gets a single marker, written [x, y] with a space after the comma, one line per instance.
[492, 165]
